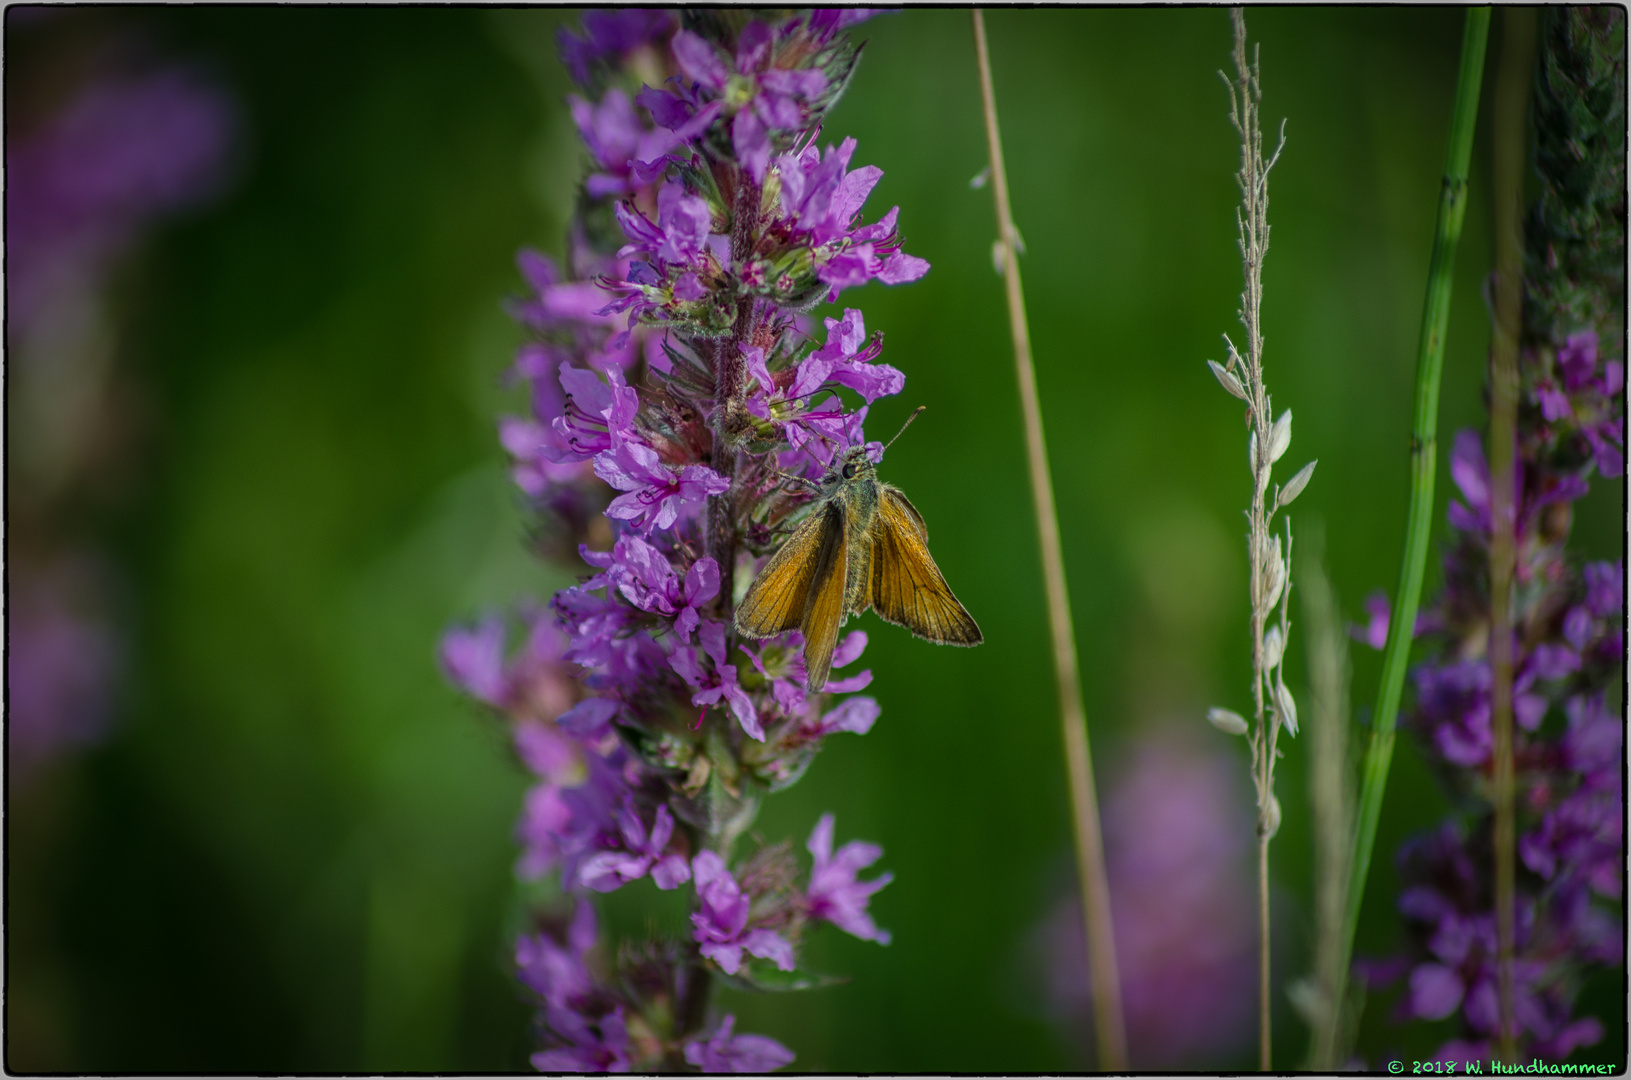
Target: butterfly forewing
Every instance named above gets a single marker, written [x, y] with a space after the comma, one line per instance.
[776, 601]
[824, 610]
[907, 587]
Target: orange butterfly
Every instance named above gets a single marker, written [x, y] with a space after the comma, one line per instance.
[864, 545]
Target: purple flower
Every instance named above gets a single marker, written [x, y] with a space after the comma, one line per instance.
[856, 714]
[557, 973]
[1435, 991]
[631, 356]
[609, 870]
[760, 99]
[786, 672]
[122, 150]
[1380, 611]
[597, 417]
[592, 1044]
[823, 199]
[724, 1052]
[1177, 828]
[849, 354]
[611, 34]
[1605, 588]
[545, 823]
[721, 683]
[630, 152]
[1578, 359]
[835, 893]
[62, 666]
[721, 921]
[473, 658]
[1470, 472]
[684, 223]
[647, 579]
[656, 493]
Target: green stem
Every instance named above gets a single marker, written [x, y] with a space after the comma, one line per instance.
[1452, 208]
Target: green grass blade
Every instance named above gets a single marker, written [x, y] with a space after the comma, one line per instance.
[1452, 209]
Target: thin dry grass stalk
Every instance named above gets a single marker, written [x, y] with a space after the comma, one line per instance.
[1109, 1030]
[1273, 706]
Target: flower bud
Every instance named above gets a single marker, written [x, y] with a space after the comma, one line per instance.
[1272, 824]
[1230, 723]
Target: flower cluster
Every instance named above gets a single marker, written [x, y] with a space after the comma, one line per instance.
[1567, 627]
[676, 383]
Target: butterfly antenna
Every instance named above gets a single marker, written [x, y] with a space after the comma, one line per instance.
[904, 426]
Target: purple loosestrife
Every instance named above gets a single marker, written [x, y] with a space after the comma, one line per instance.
[1567, 618]
[676, 383]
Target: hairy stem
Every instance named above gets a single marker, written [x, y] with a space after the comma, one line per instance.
[1511, 99]
[1111, 1037]
[1452, 208]
[728, 377]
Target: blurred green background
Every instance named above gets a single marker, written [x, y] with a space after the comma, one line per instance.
[294, 853]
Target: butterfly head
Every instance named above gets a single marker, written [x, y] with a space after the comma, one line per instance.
[853, 464]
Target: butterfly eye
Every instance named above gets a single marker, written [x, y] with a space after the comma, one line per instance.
[849, 471]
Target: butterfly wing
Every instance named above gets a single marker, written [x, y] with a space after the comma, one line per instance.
[824, 608]
[907, 587]
[778, 596]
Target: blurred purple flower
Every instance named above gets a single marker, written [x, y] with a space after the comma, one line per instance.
[1175, 827]
[609, 35]
[608, 870]
[121, 151]
[723, 1052]
[62, 663]
[721, 920]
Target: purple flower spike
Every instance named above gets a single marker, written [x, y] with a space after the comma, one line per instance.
[630, 459]
[723, 1052]
[835, 894]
